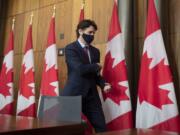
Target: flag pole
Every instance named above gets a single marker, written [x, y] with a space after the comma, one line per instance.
[54, 11]
[83, 3]
[31, 20]
[116, 1]
[13, 22]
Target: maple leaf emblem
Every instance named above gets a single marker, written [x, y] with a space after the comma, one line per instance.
[27, 82]
[151, 79]
[48, 78]
[114, 76]
[5, 79]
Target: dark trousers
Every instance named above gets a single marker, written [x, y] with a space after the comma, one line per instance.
[92, 108]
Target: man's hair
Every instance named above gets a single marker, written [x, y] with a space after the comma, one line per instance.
[85, 24]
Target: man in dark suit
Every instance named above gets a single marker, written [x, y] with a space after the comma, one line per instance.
[84, 74]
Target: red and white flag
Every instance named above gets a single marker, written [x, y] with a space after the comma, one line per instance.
[26, 97]
[117, 102]
[157, 106]
[49, 82]
[81, 16]
[6, 77]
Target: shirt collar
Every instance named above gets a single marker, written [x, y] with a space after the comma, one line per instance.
[82, 44]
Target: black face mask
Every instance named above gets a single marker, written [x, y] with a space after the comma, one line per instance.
[88, 38]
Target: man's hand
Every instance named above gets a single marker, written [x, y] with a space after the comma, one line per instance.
[99, 65]
[107, 87]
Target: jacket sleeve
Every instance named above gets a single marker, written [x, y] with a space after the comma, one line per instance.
[73, 61]
[99, 79]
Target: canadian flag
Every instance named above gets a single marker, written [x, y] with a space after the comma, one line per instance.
[157, 106]
[26, 97]
[49, 82]
[117, 103]
[81, 16]
[6, 78]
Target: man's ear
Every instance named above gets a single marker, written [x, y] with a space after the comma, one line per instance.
[80, 31]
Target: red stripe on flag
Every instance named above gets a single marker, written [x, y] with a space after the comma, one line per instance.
[152, 23]
[114, 28]
[10, 46]
[29, 39]
[122, 122]
[168, 125]
[81, 17]
[8, 109]
[51, 34]
[29, 112]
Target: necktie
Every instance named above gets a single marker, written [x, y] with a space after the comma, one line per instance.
[86, 50]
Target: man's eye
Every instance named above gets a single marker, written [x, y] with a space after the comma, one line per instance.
[92, 32]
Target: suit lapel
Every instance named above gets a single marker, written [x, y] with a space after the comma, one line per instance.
[81, 52]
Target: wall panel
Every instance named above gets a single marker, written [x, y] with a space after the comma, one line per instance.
[18, 33]
[102, 16]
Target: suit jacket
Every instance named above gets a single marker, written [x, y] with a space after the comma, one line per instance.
[82, 75]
